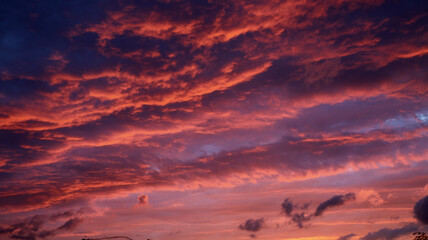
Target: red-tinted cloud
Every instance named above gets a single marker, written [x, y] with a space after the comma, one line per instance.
[109, 98]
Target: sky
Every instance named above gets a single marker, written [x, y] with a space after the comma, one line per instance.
[189, 120]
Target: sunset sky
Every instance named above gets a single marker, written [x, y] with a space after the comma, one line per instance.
[193, 120]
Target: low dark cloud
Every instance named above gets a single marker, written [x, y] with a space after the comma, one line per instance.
[252, 225]
[299, 218]
[32, 228]
[27, 229]
[302, 216]
[287, 207]
[143, 199]
[420, 210]
[347, 237]
[70, 224]
[337, 200]
[391, 234]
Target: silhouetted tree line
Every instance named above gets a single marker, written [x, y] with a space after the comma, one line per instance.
[420, 236]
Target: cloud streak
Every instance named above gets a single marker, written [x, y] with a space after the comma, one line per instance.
[388, 233]
[335, 201]
[347, 237]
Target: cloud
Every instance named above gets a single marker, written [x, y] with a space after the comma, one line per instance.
[252, 225]
[143, 199]
[287, 207]
[298, 218]
[70, 224]
[25, 230]
[66, 214]
[347, 237]
[371, 196]
[420, 210]
[31, 229]
[117, 96]
[337, 200]
[391, 234]
[301, 218]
